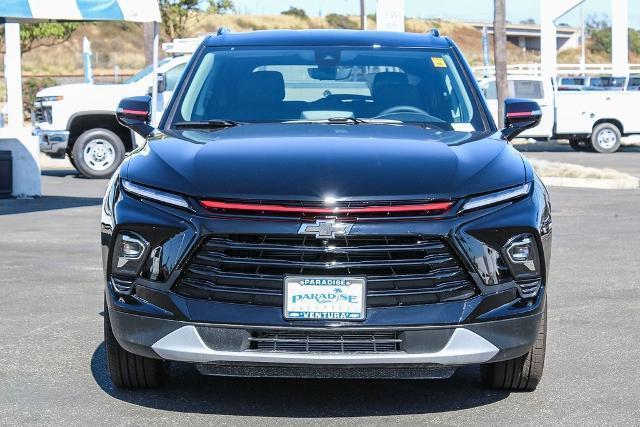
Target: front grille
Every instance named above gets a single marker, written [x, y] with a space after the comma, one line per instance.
[373, 342]
[42, 114]
[400, 270]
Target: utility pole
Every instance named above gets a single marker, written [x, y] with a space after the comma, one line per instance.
[147, 41]
[500, 55]
[583, 42]
[363, 16]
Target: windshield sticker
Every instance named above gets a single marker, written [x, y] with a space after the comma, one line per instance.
[438, 62]
[462, 127]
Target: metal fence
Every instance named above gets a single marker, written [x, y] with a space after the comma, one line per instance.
[561, 69]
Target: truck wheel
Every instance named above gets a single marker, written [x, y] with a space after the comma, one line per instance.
[606, 138]
[72, 161]
[522, 373]
[128, 370]
[97, 153]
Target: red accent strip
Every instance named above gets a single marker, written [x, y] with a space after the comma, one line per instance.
[135, 112]
[520, 114]
[436, 206]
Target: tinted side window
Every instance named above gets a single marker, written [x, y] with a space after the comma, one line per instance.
[173, 75]
[490, 91]
[528, 89]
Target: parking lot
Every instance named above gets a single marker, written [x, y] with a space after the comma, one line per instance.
[52, 361]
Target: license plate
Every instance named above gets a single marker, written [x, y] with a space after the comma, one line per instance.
[324, 297]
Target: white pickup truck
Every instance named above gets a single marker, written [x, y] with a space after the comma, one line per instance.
[78, 120]
[588, 119]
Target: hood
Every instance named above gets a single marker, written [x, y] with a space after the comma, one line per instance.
[309, 162]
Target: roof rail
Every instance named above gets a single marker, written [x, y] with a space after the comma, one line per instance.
[434, 32]
[223, 30]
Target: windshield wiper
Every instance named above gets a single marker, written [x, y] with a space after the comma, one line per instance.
[349, 119]
[207, 124]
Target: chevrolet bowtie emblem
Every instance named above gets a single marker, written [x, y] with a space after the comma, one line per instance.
[326, 229]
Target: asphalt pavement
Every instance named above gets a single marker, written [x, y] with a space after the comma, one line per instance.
[52, 359]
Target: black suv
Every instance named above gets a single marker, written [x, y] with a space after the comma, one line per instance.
[326, 204]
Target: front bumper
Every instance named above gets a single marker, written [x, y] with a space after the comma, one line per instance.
[220, 348]
[52, 142]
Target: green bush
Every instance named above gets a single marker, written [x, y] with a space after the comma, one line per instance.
[340, 21]
[297, 12]
[634, 41]
[601, 40]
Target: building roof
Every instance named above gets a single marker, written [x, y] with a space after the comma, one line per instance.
[328, 38]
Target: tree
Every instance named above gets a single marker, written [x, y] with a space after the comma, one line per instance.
[33, 36]
[176, 13]
[599, 33]
[500, 55]
[296, 12]
[634, 41]
[220, 7]
[340, 21]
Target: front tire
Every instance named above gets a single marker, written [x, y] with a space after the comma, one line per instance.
[128, 370]
[72, 161]
[97, 153]
[606, 138]
[522, 373]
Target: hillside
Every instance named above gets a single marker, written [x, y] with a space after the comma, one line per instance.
[120, 44]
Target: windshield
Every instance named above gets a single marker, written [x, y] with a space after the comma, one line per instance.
[608, 81]
[572, 81]
[279, 84]
[145, 71]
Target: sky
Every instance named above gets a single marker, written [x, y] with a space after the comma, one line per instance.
[462, 10]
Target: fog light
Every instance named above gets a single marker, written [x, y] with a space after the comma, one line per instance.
[131, 247]
[521, 253]
[129, 254]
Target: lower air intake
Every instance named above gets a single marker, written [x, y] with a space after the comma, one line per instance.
[378, 342]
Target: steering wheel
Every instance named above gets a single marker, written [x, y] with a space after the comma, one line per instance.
[402, 109]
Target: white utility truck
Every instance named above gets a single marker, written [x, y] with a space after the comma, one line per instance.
[588, 119]
[79, 120]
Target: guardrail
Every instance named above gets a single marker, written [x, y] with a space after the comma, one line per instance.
[561, 69]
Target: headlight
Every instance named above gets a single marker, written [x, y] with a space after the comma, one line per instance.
[496, 197]
[153, 194]
[49, 98]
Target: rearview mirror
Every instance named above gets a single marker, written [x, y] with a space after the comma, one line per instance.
[329, 73]
[519, 115]
[135, 114]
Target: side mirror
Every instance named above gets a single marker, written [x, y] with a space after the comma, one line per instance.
[162, 82]
[135, 113]
[520, 115]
